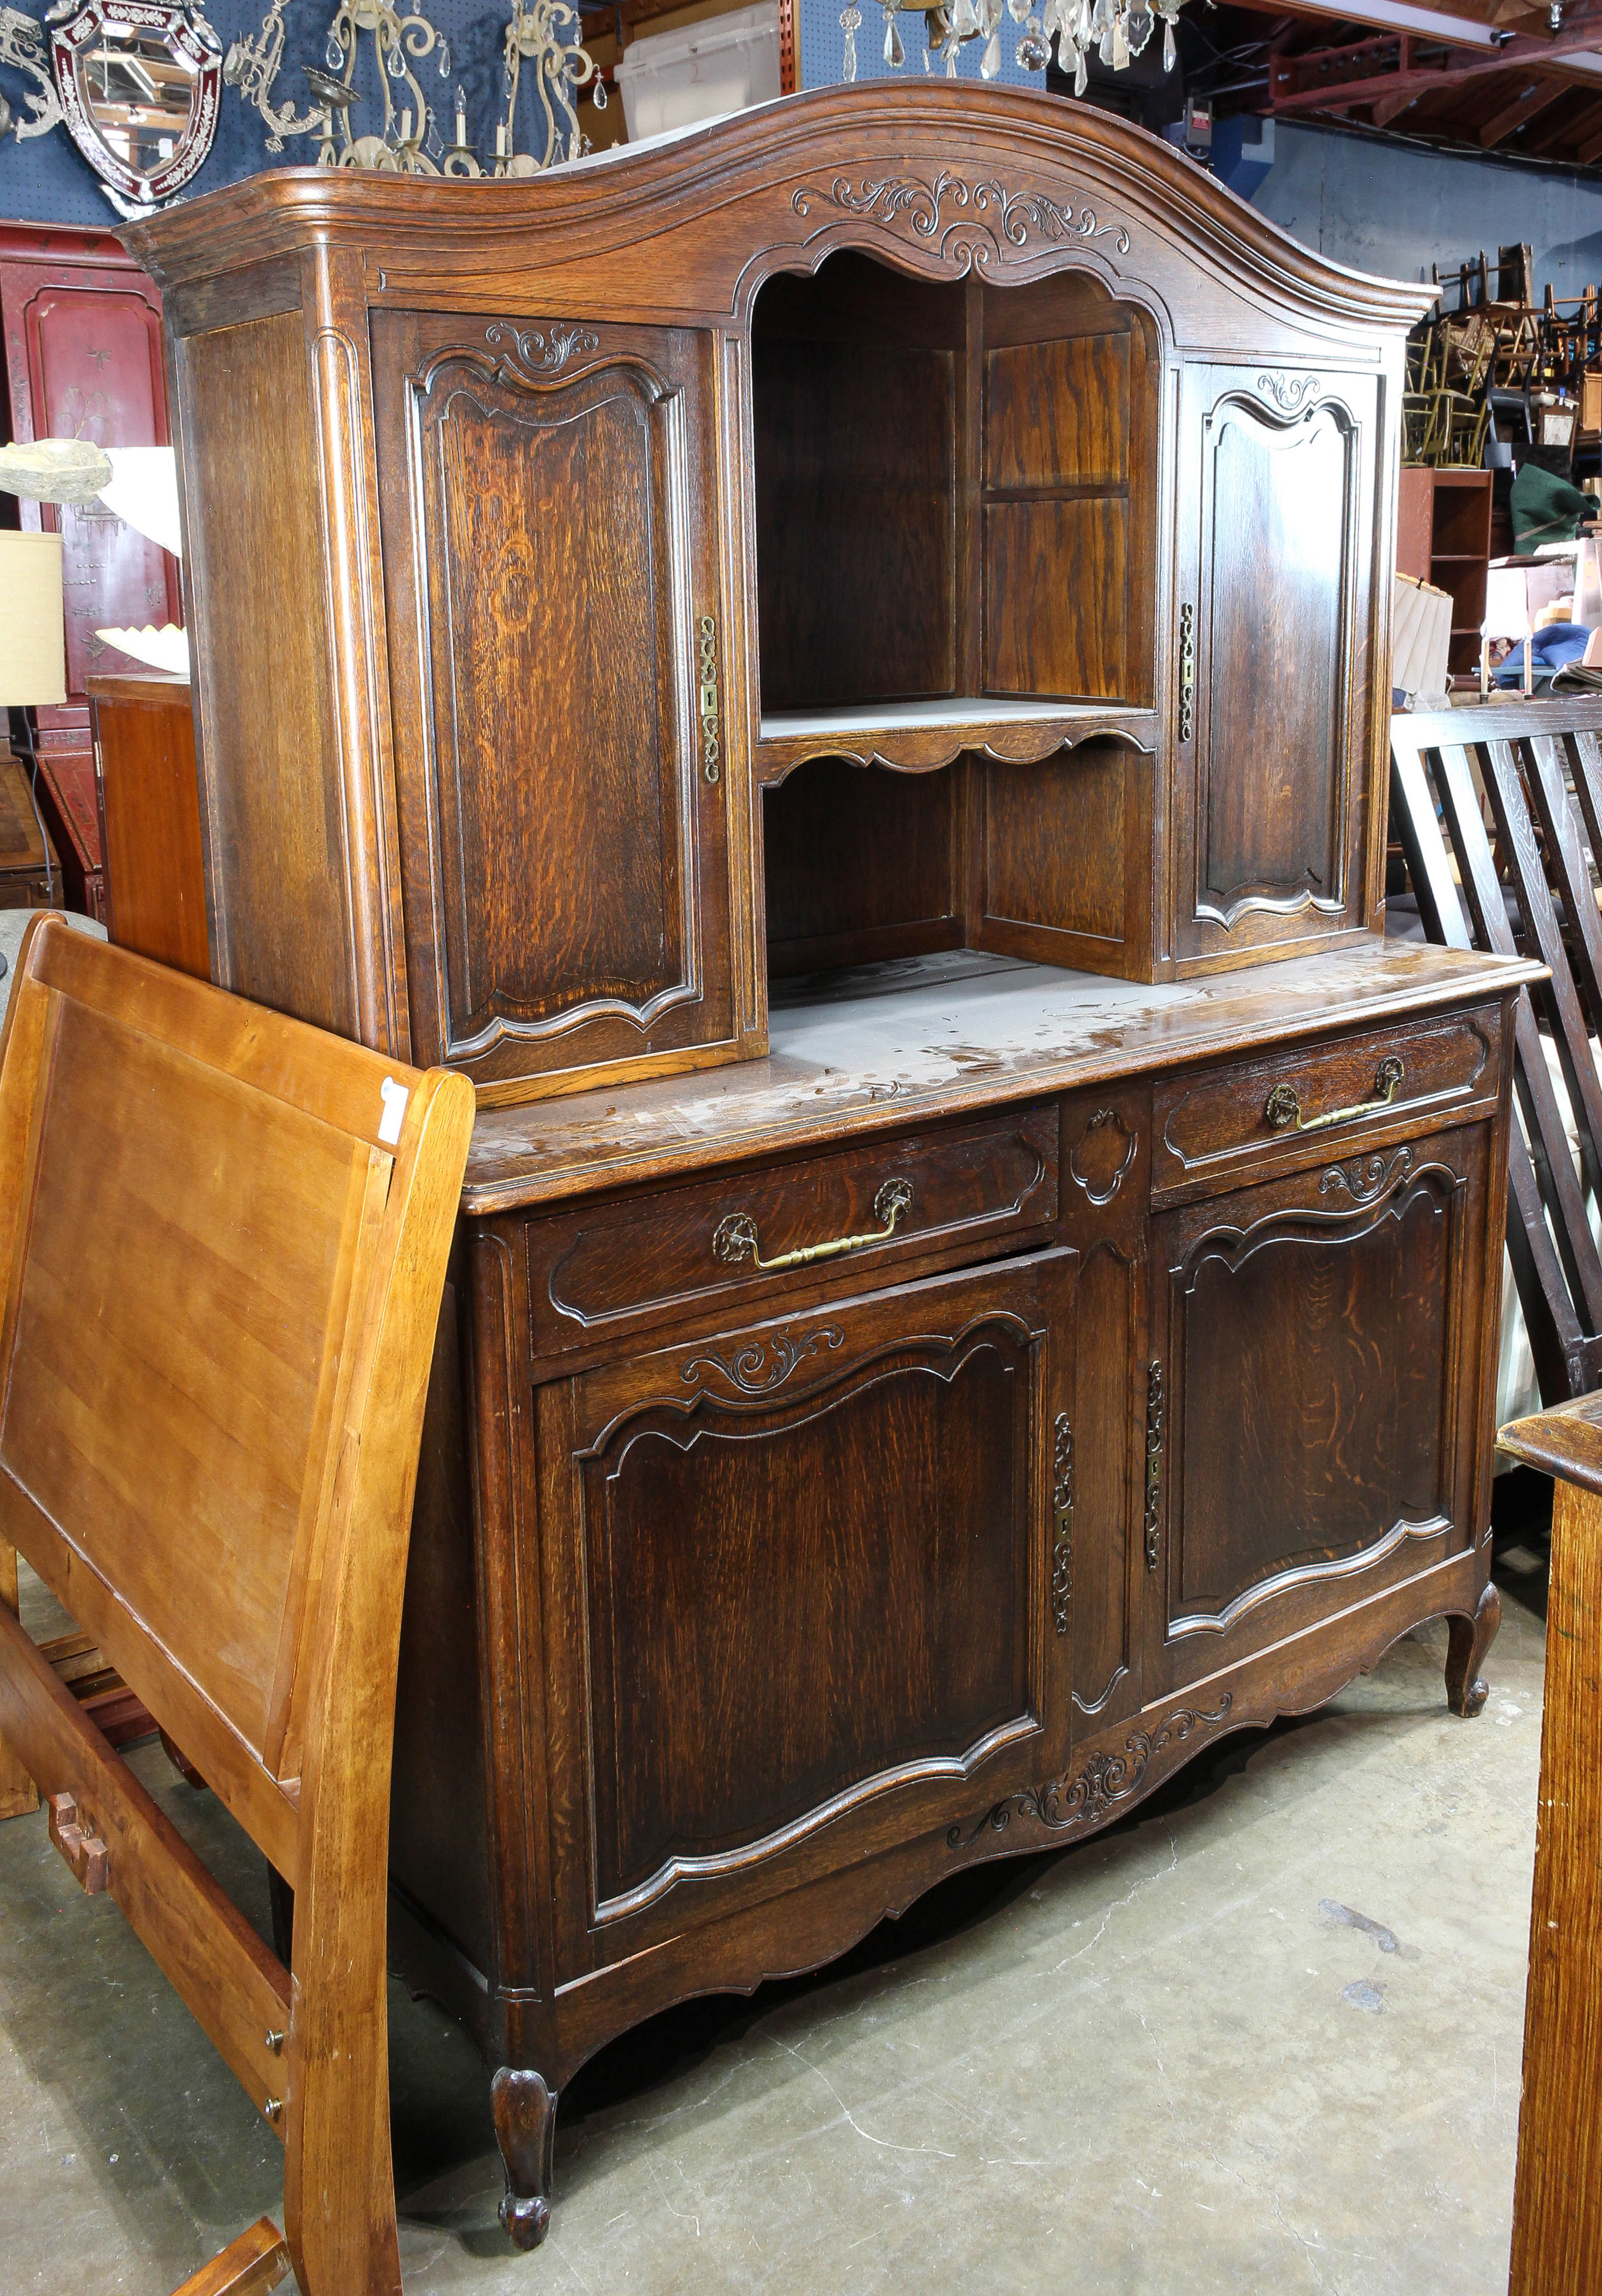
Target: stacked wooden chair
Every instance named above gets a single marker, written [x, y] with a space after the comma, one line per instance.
[1525, 883]
[209, 1438]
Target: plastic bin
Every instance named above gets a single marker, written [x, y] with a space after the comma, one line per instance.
[720, 63]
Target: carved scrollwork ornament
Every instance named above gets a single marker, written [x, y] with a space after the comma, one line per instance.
[1109, 1777]
[1288, 391]
[1098, 1162]
[762, 1365]
[1367, 1178]
[966, 222]
[540, 351]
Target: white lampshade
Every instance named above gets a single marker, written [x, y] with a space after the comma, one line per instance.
[33, 643]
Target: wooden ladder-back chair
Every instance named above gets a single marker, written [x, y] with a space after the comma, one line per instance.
[209, 1443]
[1524, 758]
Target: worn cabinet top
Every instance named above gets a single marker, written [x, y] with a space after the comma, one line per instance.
[943, 181]
[941, 1036]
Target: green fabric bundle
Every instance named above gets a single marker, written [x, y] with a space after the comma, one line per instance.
[1545, 509]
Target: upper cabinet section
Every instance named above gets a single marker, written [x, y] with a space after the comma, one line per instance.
[581, 565]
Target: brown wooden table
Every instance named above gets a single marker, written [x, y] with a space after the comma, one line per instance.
[1558, 2192]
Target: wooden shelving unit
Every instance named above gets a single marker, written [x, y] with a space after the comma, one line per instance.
[1444, 536]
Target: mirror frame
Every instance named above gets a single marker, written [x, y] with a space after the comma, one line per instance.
[188, 36]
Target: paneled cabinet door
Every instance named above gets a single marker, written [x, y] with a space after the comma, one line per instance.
[807, 1591]
[1274, 586]
[550, 569]
[1319, 1359]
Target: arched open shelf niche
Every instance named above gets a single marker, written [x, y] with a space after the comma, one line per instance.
[956, 490]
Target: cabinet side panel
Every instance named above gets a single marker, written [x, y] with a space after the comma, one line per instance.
[1049, 567]
[439, 1814]
[1054, 842]
[860, 864]
[1056, 413]
[155, 875]
[270, 773]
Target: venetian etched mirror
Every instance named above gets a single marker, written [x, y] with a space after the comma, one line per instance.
[139, 82]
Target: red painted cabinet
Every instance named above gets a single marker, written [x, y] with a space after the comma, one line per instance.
[81, 325]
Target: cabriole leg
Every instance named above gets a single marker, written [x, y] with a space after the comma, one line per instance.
[524, 2112]
[1467, 1690]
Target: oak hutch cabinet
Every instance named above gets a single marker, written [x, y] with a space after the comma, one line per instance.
[836, 664]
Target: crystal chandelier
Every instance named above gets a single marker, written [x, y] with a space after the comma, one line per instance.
[1117, 30]
[545, 36]
[400, 41]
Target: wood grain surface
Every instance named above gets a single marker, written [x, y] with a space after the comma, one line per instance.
[1557, 2184]
[211, 1466]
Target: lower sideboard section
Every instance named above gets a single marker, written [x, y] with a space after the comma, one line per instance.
[726, 1639]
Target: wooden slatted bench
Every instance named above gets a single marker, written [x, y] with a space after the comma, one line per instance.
[209, 1442]
[1525, 757]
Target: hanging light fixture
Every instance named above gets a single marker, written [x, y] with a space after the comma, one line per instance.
[1117, 30]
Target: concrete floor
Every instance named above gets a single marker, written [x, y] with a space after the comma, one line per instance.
[1265, 2036]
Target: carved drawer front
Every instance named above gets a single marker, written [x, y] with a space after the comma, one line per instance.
[970, 1189]
[1318, 1376]
[1298, 1106]
[807, 1584]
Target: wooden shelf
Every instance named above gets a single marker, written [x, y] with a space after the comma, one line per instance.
[919, 736]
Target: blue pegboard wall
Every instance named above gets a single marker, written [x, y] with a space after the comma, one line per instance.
[46, 180]
[823, 46]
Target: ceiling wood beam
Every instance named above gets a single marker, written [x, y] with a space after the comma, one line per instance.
[1531, 101]
[1591, 149]
[1392, 107]
[1556, 134]
[1319, 79]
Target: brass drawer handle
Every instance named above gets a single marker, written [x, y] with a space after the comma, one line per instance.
[736, 1234]
[1284, 1109]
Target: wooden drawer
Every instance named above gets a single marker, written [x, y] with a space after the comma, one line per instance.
[1273, 1114]
[964, 1191]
